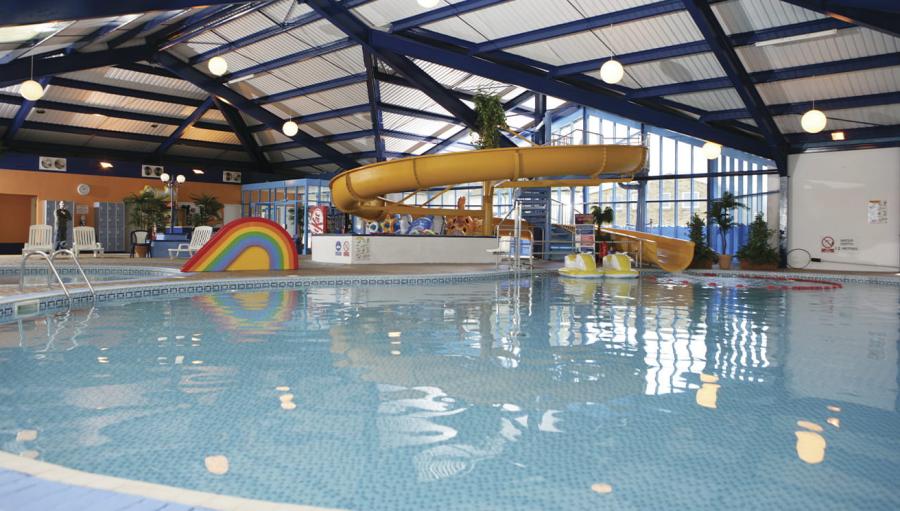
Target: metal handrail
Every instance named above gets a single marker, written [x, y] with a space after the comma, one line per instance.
[50, 258]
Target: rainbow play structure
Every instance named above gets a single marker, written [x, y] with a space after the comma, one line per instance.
[361, 191]
[246, 244]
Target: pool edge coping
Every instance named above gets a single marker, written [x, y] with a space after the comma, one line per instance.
[53, 472]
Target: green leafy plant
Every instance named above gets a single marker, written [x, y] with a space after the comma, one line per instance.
[602, 216]
[209, 209]
[757, 250]
[148, 208]
[721, 213]
[490, 118]
[697, 230]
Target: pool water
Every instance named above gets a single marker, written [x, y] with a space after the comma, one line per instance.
[517, 394]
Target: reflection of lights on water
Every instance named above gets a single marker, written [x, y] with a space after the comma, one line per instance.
[197, 362]
[509, 407]
[286, 397]
[832, 408]
[30, 454]
[103, 360]
[812, 426]
[708, 378]
[26, 435]
[393, 334]
[288, 405]
[602, 488]
[810, 447]
[395, 342]
[395, 352]
[282, 388]
[708, 393]
[834, 421]
[217, 465]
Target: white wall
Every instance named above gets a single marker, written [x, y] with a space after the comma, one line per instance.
[231, 212]
[829, 196]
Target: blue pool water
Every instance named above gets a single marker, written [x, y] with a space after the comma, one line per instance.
[529, 394]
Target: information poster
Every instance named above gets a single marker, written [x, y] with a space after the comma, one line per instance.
[877, 212]
[584, 233]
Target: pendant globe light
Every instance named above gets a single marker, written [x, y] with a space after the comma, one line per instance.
[218, 66]
[711, 150]
[31, 89]
[612, 71]
[813, 121]
[290, 128]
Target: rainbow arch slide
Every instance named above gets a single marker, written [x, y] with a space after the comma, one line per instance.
[246, 244]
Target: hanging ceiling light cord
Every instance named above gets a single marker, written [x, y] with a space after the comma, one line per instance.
[608, 48]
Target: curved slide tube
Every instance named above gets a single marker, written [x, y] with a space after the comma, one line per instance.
[670, 254]
[360, 191]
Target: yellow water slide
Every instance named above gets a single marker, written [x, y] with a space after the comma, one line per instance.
[670, 254]
[361, 191]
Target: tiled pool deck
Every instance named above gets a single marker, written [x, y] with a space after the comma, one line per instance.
[27, 484]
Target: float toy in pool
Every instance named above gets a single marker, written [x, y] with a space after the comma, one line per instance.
[246, 244]
[581, 266]
[618, 266]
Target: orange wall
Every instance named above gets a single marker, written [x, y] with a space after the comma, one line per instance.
[61, 186]
[15, 212]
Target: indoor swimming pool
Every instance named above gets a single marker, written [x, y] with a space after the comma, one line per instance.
[532, 393]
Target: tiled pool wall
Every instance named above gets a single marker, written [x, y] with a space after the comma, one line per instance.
[55, 299]
[90, 270]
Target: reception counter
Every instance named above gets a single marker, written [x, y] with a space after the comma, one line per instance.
[396, 249]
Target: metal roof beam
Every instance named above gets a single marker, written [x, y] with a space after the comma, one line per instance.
[447, 142]
[143, 28]
[314, 88]
[323, 161]
[361, 33]
[293, 58]
[573, 27]
[262, 35]
[126, 91]
[187, 123]
[121, 135]
[709, 26]
[234, 119]
[373, 91]
[19, 120]
[536, 80]
[872, 137]
[695, 47]
[883, 16]
[773, 75]
[272, 121]
[189, 29]
[354, 135]
[887, 98]
[442, 13]
[41, 11]
[11, 99]
[20, 69]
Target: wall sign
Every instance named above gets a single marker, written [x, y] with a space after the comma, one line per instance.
[827, 245]
[877, 212]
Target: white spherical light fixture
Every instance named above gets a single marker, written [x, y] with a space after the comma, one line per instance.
[180, 179]
[428, 4]
[813, 121]
[290, 128]
[31, 90]
[711, 150]
[164, 177]
[612, 71]
[218, 66]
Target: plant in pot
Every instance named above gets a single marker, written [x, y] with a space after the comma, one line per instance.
[757, 254]
[601, 217]
[490, 118]
[148, 212]
[721, 213]
[704, 257]
[209, 209]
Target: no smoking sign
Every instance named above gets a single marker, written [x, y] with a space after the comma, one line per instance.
[827, 244]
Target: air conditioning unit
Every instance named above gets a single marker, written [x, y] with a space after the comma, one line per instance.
[52, 163]
[230, 176]
[152, 171]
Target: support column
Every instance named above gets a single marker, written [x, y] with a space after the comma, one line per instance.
[487, 206]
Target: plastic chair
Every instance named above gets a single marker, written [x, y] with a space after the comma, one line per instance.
[86, 241]
[40, 239]
[140, 238]
[199, 238]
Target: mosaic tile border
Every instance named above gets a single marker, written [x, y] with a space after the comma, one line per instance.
[52, 300]
[66, 269]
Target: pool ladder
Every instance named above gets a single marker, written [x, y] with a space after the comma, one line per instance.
[53, 272]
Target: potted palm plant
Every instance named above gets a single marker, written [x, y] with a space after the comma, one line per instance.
[601, 217]
[148, 212]
[209, 209]
[757, 254]
[721, 213]
[704, 257]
